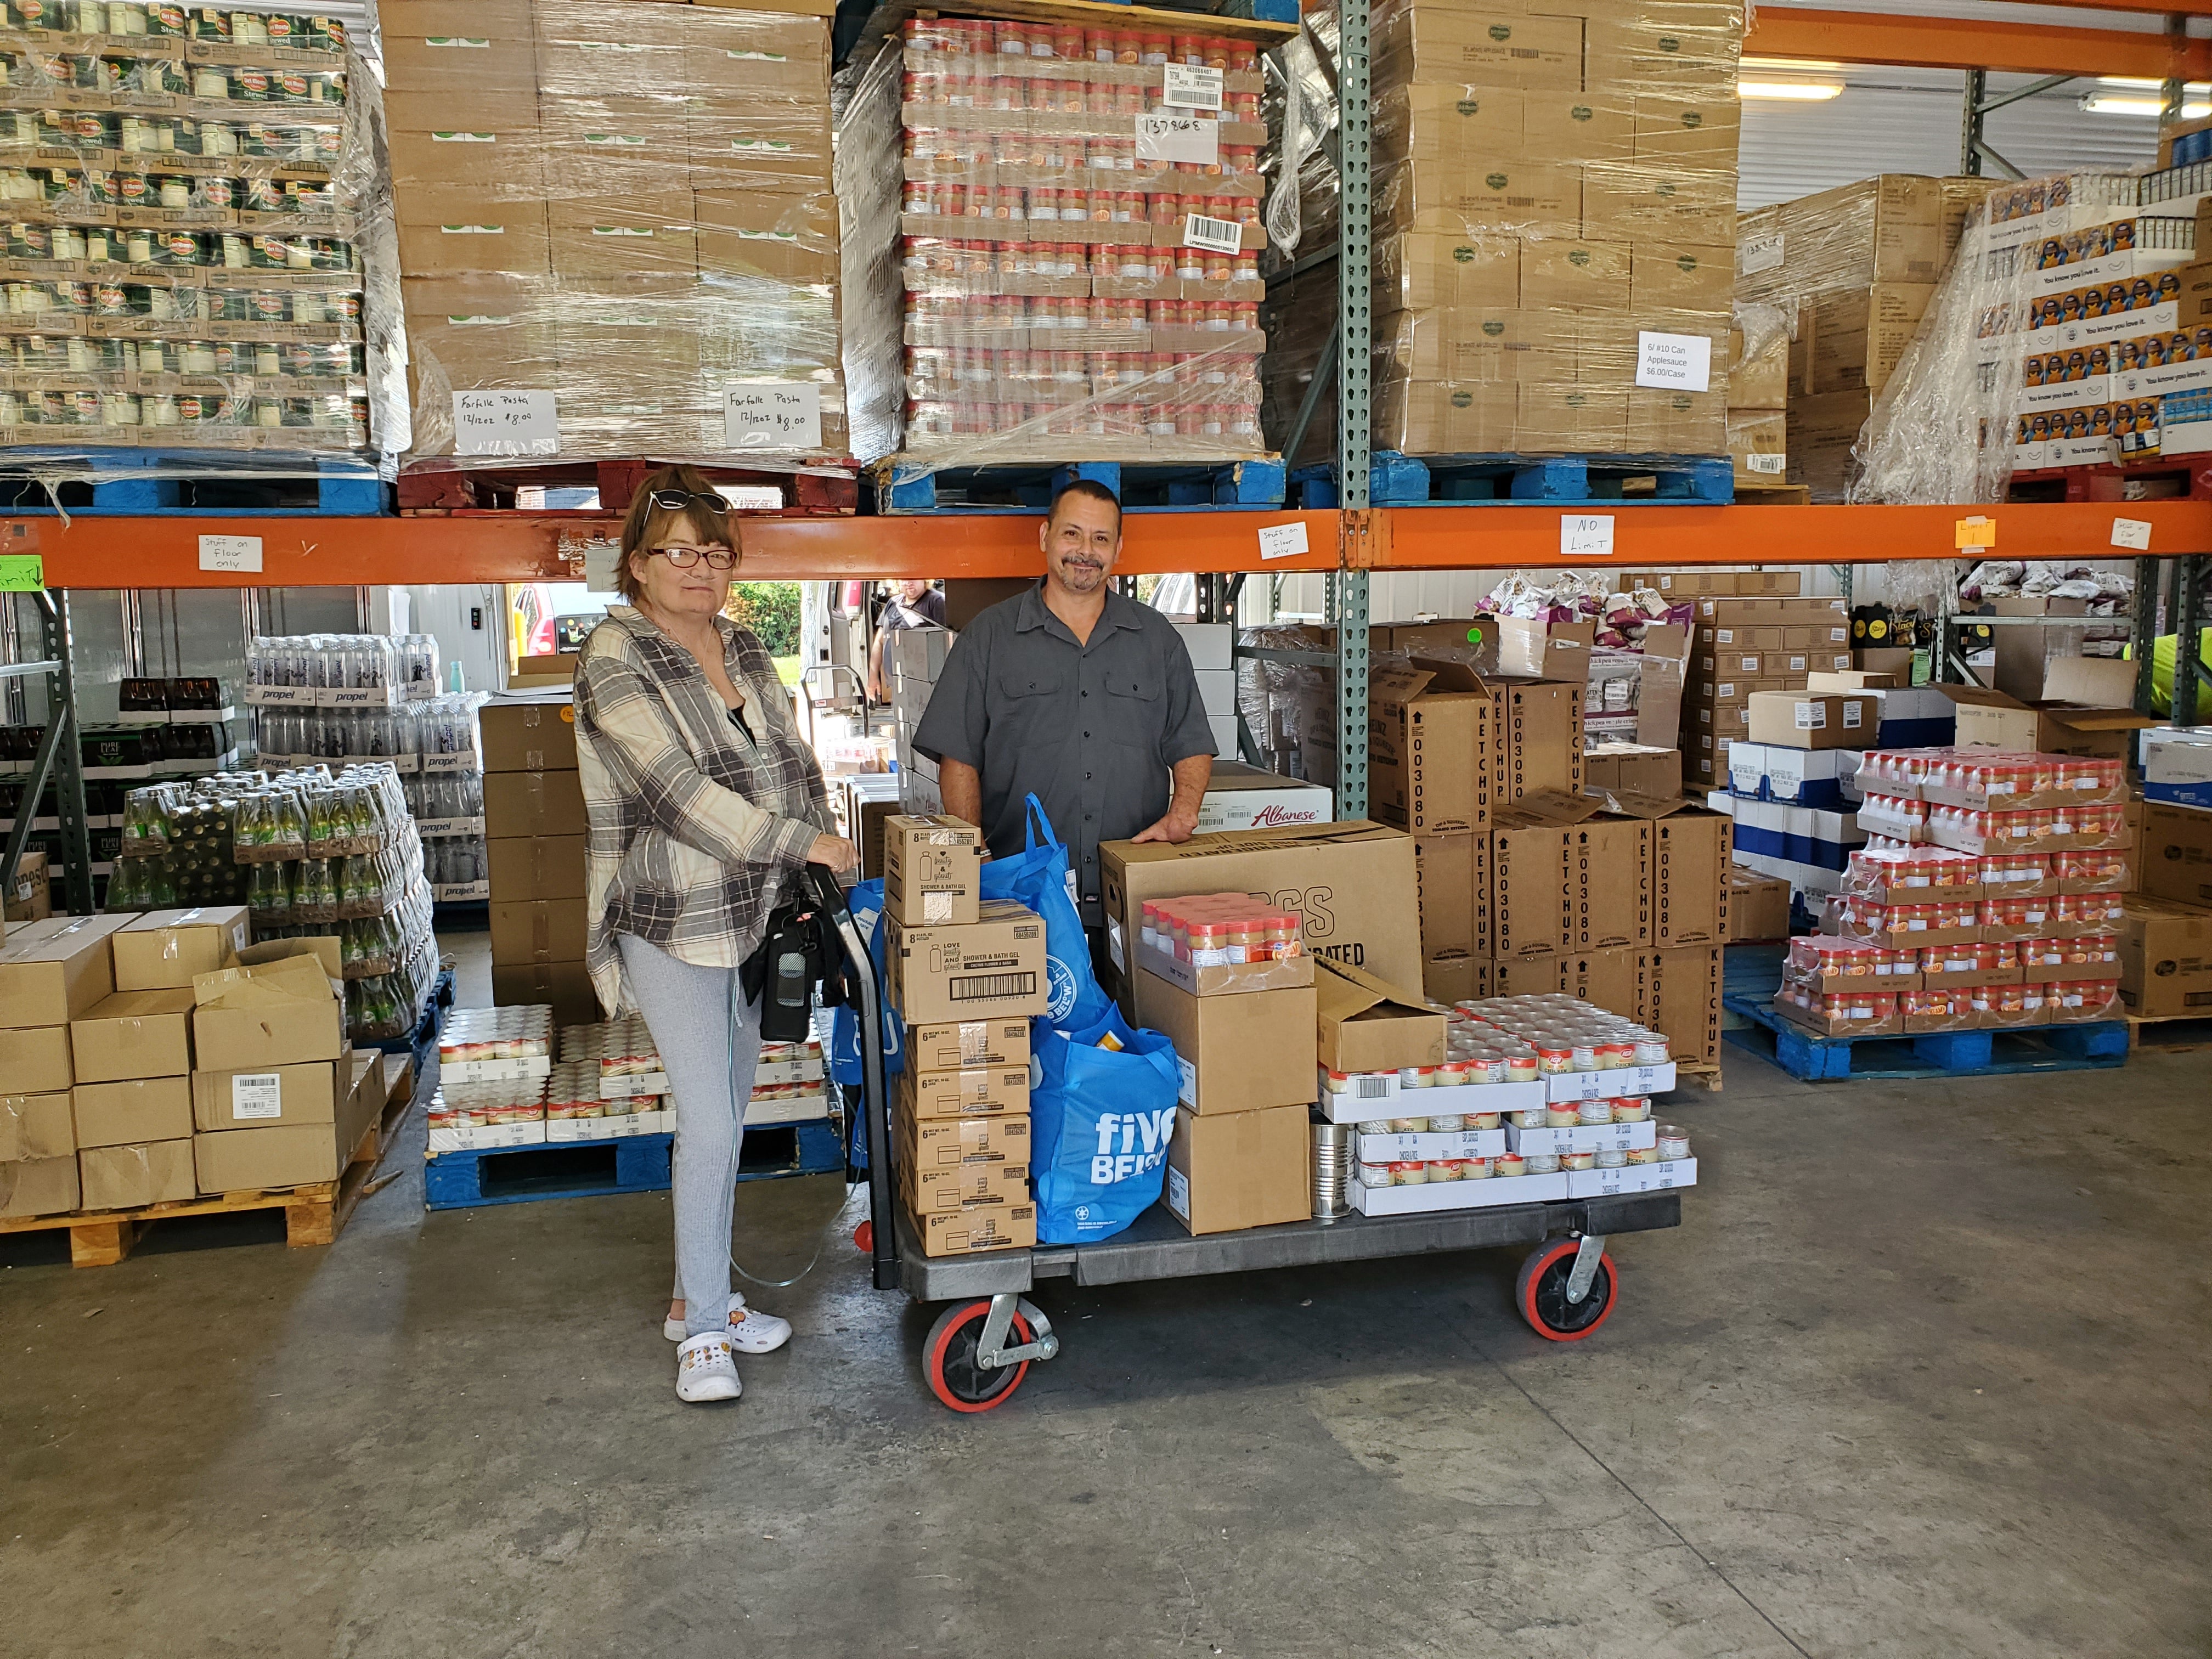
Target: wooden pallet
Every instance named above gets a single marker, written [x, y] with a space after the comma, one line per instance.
[1707, 1078]
[314, 1214]
[1772, 495]
[443, 487]
[2172, 1034]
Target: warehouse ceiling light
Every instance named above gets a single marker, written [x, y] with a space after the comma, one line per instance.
[2113, 103]
[1797, 92]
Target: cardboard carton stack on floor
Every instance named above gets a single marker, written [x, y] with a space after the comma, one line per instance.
[966, 976]
[1554, 220]
[2166, 946]
[630, 228]
[534, 817]
[915, 658]
[1745, 646]
[51, 972]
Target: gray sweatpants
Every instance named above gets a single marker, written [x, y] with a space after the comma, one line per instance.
[710, 1058]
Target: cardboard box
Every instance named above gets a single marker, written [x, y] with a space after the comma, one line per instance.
[1229, 1171]
[1429, 722]
[133, 1109]
[264, 1099]
[1608, 883]
[163, 949]
[1545, 650]
[974, 1228]
[36, 1059]
[1418, 42]
[33, 899]
[1432, 270]
[1236, 1054]
[936, 1188]
[52, 971]
[538, 930]
[128, 1178]
[1617, 981]
[526, 868]
[1757, 907]
[977, 1090]
[529, 733]
[2175, 863]
[133, 1034]
[951, 1047]
[1758, 443]
[565, 987]
[278, 1011]
[2166, 960]
[933, 871]
[1888, 228]
[1537, 738]
[999, 1138]
[1367, 1023]
[1453, 876]
[1633, 769]
[1531, 885]
[1685, 1004]
[533, 803]
[1690, 866]
[292, 1154]
[1241, 797]
[36, 1125]
[1996, 719]
[39, 1186]
[995, 966]
[1352, 885]
[1797, 719]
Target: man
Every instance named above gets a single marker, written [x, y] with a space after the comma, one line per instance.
[911, 605]
[1072, 693]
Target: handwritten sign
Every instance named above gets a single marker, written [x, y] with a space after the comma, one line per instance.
[1188, 86]
[230, 553]
[2132, 532]
[1585, 536]
[506, 423]
[1283, 541]
[1675, 362]
[1166, 135]
[772, 414]
[21, 573]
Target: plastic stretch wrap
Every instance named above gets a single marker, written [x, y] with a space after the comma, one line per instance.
[1300, 317]
[1038, 276]
[625, 210]
[199, 253]
[1282, 701]
[2060, 336]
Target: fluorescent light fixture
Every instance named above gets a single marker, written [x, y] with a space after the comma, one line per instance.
[1798, 66]
[2143, 83]
[2101, 103]
[1796, 92]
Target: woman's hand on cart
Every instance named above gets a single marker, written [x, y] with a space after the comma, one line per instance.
[834, 852]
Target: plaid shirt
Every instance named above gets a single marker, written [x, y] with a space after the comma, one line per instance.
[696, 833]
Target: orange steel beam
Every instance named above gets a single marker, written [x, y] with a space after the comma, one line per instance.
[1853, 37]
[2141, 8]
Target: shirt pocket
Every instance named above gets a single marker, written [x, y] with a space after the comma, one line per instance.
[1031, 708]
[1134, 710]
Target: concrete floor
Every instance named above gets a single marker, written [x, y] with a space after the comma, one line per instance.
[1922, 1374]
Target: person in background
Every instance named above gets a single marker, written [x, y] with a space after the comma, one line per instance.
[1075, 694]
[911, 604]
[705, 810]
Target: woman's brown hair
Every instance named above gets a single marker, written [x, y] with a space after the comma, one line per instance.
[646, 524]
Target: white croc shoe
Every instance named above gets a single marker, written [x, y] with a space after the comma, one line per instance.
[706, 1368]
[751, 1330]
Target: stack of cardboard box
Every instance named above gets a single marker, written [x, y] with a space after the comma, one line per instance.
[1759, 395]
[966, 977]
[914, 658]
[51, 972]
[534, 816]
[633, 217]
[1554, 220]
[1743, 647]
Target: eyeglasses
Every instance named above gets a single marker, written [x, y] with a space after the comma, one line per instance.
[677, 499]
[717, 558]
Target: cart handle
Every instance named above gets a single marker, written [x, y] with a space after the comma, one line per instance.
[875, 1095]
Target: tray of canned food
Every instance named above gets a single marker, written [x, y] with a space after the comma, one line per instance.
[1408, 1185]
[477, 1116]
[623, 1054]
[489, 1045]
[1581, 1051]
[788, 1062]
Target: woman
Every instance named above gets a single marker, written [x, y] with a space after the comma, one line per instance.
[705, 810]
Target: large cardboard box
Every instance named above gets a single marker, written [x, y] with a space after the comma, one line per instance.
[533, 803]
[1799, 719]
[1003, 1042]
[1414, 41]
[2165, 959]
[37, 1126]
[1691, 854]
[538, 930]
[127, 1177]
[163, 949]
[293, 1154]
[564, 987]
[39, 1186]
[1236, 1054]
[279, 1011]
[1686, 1002]
[1856, 337]
[1618, 980]
[1888, 228]
[1757, 907]
[973, 1091]
[135, 1109]
[526, 732]
[1229, 1171]
[995, 966]
[282, 1095]
[1531, 881]
[1351, 883]
[1428, 727]
[1002, 1138]
[133, 1034]
[974, 1227]
[526, 868]
[52, 971]
[935, 1188]
[1454, 875]
[33, 897]
[1241, 797]
[2177, 853]
[1609, 883]
[35, 1061]
[933, 869]
[1367, 1023]
[1996, 719]
[1537, 738]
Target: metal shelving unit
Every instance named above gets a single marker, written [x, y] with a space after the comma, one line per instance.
[59, 760]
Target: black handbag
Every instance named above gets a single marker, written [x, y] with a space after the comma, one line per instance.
[782, 974]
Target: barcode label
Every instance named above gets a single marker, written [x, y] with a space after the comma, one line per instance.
[1211, 235]
[990, 987]
[1372, 1088]
[1766, 463]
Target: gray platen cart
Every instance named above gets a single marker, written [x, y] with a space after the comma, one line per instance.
[990, 1333]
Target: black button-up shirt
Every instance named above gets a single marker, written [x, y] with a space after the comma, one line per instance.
[1090, 730]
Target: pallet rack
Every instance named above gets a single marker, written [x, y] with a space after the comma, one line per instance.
[1355, 538]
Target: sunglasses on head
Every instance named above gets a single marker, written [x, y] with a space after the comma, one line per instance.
[677, 499]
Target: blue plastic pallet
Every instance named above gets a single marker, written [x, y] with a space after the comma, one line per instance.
[1810, 1058]
[1152, 485]
[594, 1169]
[1396, 480]
[203, 483]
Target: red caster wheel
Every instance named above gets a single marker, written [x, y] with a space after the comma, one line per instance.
[948, 1358]
[864, 1238]
[1541, 1293]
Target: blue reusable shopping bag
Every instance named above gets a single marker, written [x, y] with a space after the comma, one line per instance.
[1099, 1124]
[1040, 877]
[865, 901]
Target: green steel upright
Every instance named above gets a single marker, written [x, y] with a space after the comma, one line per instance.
[1353, 422]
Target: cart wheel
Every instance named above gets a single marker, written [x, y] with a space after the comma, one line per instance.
[948, 1360]
[1542, 1293]
[864, 1238]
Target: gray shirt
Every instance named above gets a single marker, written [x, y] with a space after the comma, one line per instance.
[1090, 730]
